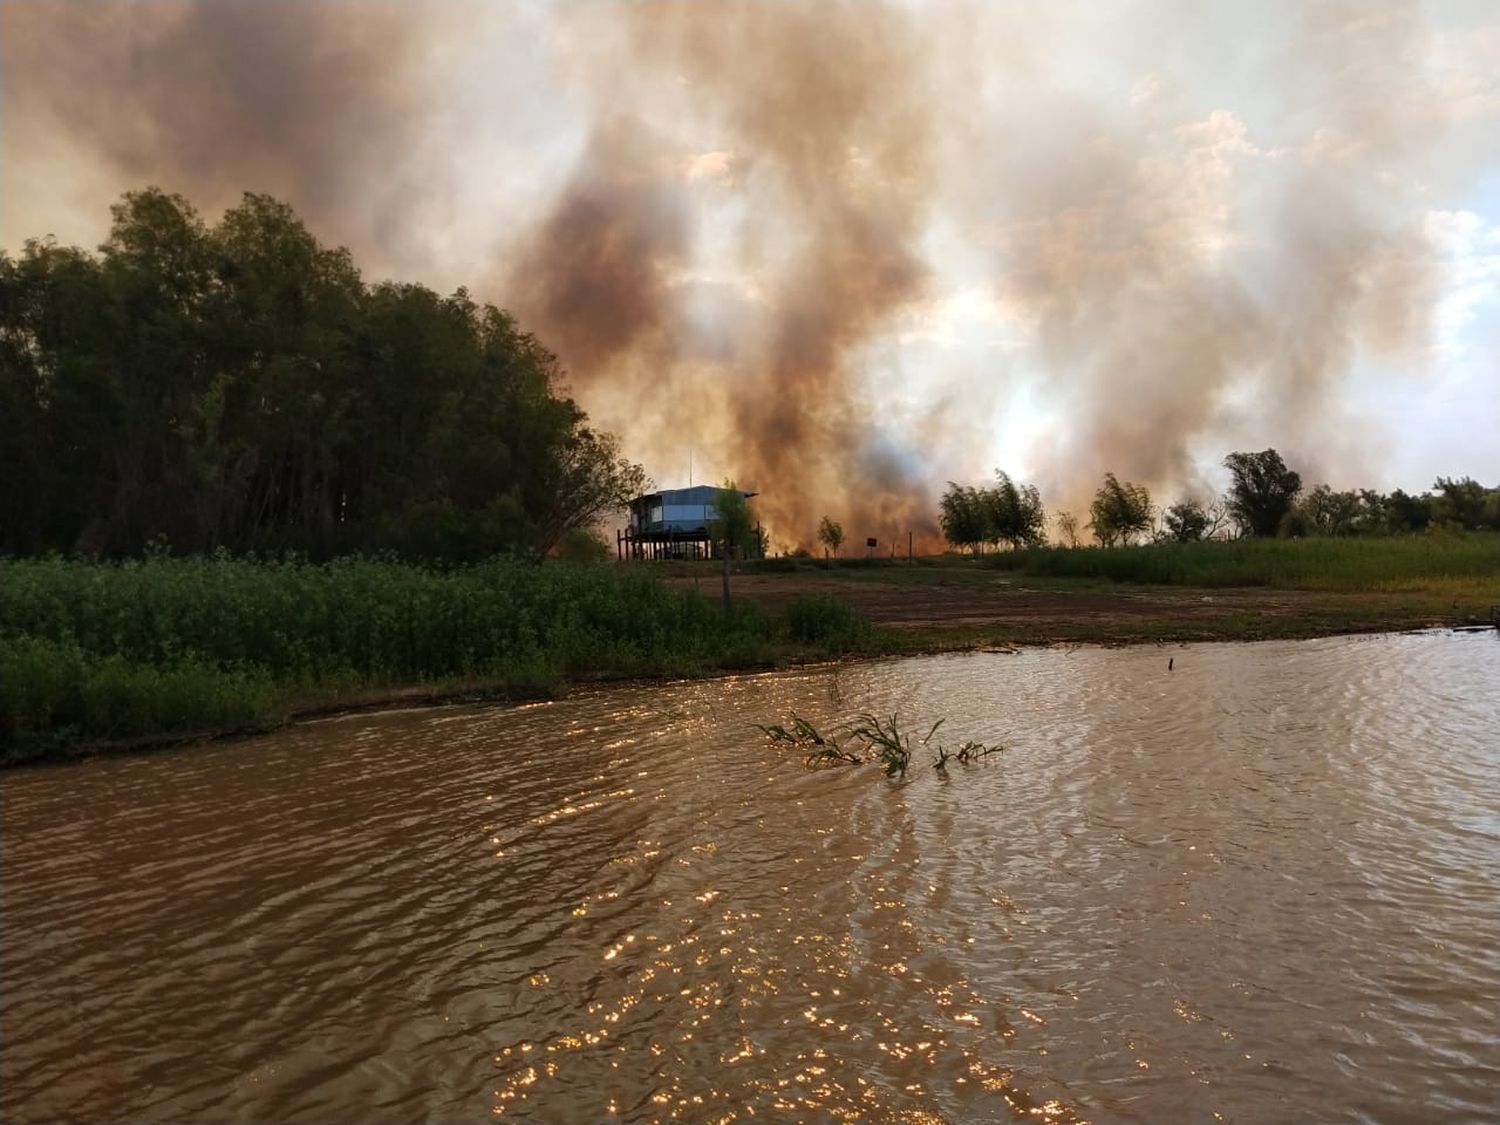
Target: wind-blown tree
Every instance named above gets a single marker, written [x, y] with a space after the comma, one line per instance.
[1067, 528]
[1005, 513]
[588, 479]
[1185, 522]
[831, 535]
[240, 386]
[965, 517]
[1016, 515]
[1119, 511]
[1463, 502]
[1263, 490]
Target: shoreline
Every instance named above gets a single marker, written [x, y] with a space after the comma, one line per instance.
[889, 642]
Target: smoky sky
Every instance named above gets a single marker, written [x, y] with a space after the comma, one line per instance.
[841, 253]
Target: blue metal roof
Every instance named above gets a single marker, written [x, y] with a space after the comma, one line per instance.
[698, 494]
[677, 509]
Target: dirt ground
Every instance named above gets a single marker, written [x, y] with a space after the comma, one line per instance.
[1010, 606]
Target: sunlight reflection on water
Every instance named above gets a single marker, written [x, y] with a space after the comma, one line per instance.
[1261, 886]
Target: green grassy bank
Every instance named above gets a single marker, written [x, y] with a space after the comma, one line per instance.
[1412, 562]
[111, 654]
[1425, 562]
[93, 653]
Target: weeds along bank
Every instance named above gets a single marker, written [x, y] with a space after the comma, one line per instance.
[1323, 563]
[95, 652]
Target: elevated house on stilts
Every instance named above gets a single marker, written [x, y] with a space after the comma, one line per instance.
[673, 523]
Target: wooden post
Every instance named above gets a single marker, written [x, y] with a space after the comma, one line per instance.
[908, 548]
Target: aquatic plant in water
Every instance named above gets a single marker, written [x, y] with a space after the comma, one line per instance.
[869, 738]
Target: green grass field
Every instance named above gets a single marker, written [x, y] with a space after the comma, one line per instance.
[94, 653]
[1415, 562]
[1428, 562]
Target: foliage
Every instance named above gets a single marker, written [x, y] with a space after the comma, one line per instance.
[1467, 504]
[583, 545]
[1004, 513]
[391, 621]
[964, 517]
[1399, 512]
[53, 690]
[1326, 512]
[730, 527]
[1185, 522]
[826, 622]
[1067, 528]
[1369, 563]
[241, 386]
[250, 639]
[831, 534]
[1296, 524]
[1119, 511]
[1016, 515]
[1457, 504]
[1262, 492]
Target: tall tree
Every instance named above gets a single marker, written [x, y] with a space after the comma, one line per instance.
[1185, 521]
[1119, 511]
[1016, 515]
[1067, 528]
[831, 535]
[1262, 492]
[1333, 513]
[1461, 502]
[965, 517]
[1403, 512]
[240, 386]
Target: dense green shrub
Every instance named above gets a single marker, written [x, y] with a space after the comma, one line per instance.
[239, 385]
[379, 617]
[826, 622]
[167, 645]
[54, 691]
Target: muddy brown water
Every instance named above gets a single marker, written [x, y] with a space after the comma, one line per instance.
[1262, 886]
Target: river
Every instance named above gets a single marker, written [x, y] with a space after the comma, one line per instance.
[1261, 886]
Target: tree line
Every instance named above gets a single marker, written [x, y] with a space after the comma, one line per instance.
[1265, 498]
[240, 386]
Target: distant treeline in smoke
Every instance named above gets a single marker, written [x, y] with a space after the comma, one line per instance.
[1003, 513]
[1265, 499]
[240, 386]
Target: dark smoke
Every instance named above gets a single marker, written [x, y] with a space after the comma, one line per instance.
[1196, 221]
[316, 103]
[835, 157]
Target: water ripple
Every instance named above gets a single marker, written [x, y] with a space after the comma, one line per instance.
[1260, 886]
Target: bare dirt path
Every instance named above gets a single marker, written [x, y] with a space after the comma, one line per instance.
[1012, 606]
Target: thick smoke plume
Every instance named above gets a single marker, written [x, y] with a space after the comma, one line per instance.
[836, 159]
[319, 104]
[834, 250]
